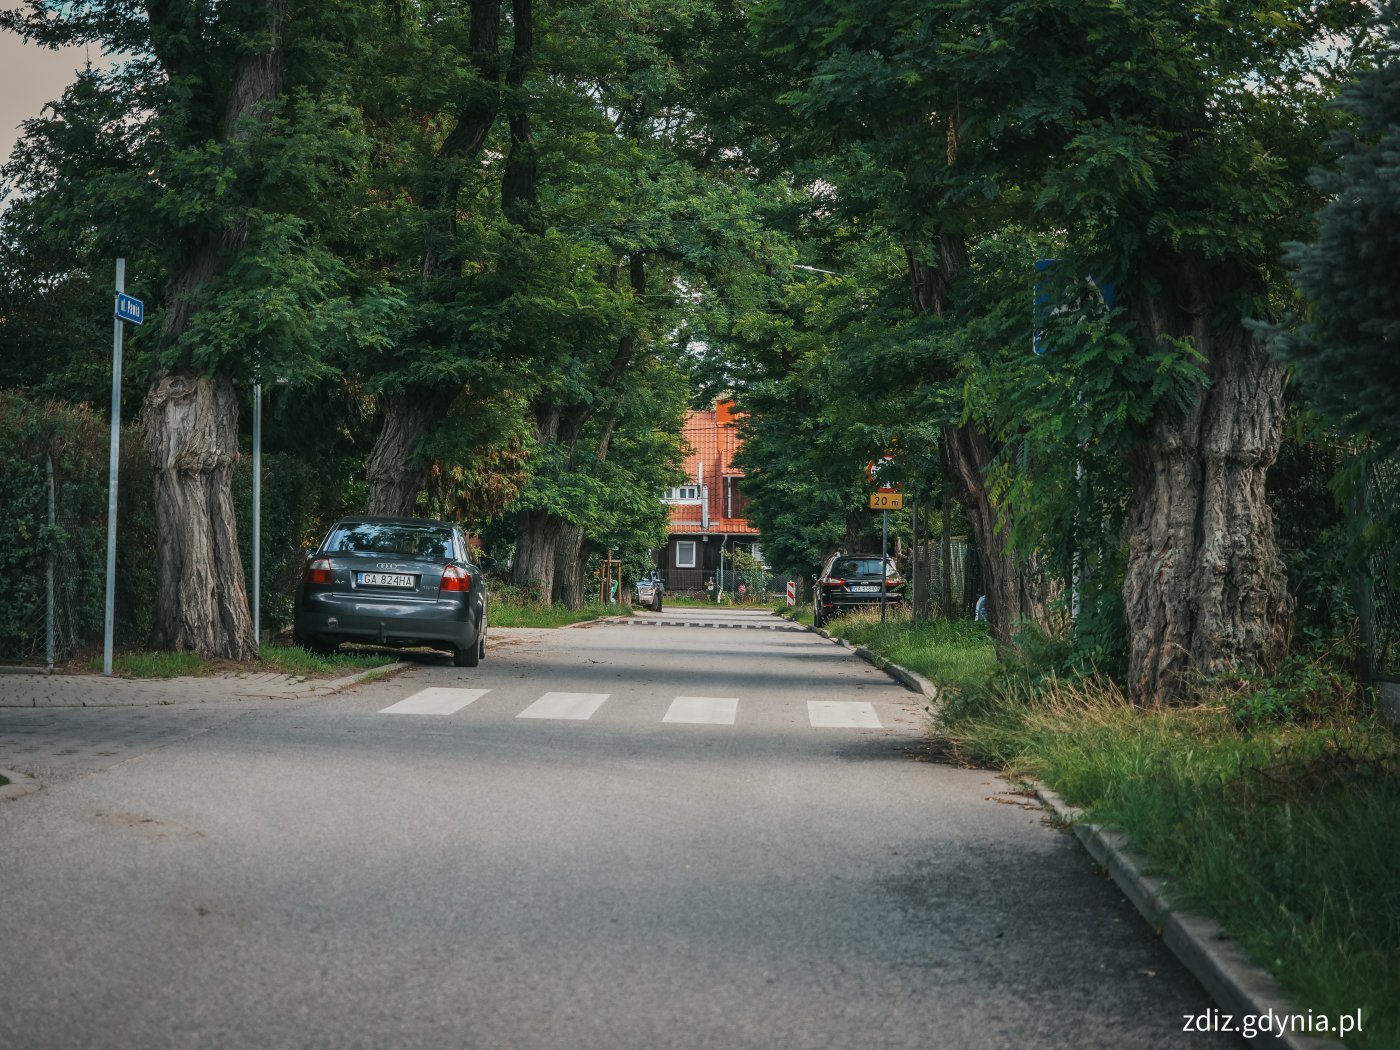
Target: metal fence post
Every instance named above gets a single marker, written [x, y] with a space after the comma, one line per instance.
[49, 617]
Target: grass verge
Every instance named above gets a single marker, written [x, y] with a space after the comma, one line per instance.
[1273, 806]
[277, 659]
[510, 614]
[1286, 832]
[950, 652]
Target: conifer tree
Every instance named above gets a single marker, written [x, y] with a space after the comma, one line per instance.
[1346, 352]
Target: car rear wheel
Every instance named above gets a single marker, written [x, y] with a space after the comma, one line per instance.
[469, 656]
[818, 619]
[656, 604]
[317, 648]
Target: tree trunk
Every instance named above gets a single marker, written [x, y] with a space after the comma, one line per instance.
[191, 418]
[571, 568]
[945, 548]
[396, 476]
[536, 540]
[1205, 589]
[191, 437]
[1014, 590]
[395, 472]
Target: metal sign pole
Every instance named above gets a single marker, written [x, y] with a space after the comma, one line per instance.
[257, 517]
[884, 560]
[113, 457]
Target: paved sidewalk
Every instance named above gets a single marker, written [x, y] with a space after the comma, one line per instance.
[91, 690]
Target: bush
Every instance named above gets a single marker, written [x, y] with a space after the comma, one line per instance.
[300, 501]
[73, 439]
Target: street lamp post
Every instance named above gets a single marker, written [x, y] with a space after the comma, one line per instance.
[257, 511]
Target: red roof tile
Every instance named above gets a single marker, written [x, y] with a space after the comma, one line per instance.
[714, 441]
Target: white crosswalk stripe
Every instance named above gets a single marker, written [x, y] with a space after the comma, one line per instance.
[575, 706]
[683, 710]
[435, 701]
[842, 714]
[703, 710]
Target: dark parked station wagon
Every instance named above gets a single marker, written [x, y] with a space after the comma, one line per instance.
[853, 581]
[400, 582]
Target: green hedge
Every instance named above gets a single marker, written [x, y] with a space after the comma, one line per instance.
[73, 439]
[299, 501]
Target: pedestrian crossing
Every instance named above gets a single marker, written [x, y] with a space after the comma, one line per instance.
[683, 710]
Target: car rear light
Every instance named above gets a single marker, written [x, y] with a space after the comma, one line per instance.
[832, 581]
[896, 582]
[455, 579]
[319, 571]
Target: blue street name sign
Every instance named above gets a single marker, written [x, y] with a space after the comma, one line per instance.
[1043, 306]
[129, 309]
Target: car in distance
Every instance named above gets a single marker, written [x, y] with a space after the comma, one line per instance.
[853, 581]
[400, 582]
[649, 591]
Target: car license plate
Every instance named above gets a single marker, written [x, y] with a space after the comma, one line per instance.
[865, 588]
[383, 579]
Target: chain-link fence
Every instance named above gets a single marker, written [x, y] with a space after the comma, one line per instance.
[1380, 585]
[52, 563]
[950, 590]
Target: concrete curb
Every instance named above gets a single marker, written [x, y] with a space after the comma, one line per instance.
[19, 785]
[911, 680]
[335, 685]
[589, 623]
[1238, 985]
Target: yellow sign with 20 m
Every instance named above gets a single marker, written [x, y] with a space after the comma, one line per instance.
[887, 501]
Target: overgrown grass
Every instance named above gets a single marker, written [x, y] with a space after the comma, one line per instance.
[503, 615]
[291, 659]
[950, 652]
[1287, 832]
[275, 658]
[515, 607]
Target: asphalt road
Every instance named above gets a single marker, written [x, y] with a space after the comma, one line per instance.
[648, 836]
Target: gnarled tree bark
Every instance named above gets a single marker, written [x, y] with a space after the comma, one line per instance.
[571, 568]
[191, 438]
[395, 472]
[1205, 588]
[536, 542]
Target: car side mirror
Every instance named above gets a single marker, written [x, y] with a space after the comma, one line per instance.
[307, 552]
[489, 564]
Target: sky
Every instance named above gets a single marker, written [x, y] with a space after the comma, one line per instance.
[30, 78]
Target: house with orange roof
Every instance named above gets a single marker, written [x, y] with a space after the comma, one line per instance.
[707, 511]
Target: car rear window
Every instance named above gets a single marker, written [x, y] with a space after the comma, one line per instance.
[857, 567]
[372, 537]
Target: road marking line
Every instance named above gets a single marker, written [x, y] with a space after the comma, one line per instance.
[703, 710]
[577, 706]
[842, 714]
[436, 700]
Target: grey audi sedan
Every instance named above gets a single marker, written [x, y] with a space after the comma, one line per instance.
[400, 582]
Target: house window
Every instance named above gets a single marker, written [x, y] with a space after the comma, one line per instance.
[685, 554]
[682, 494]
